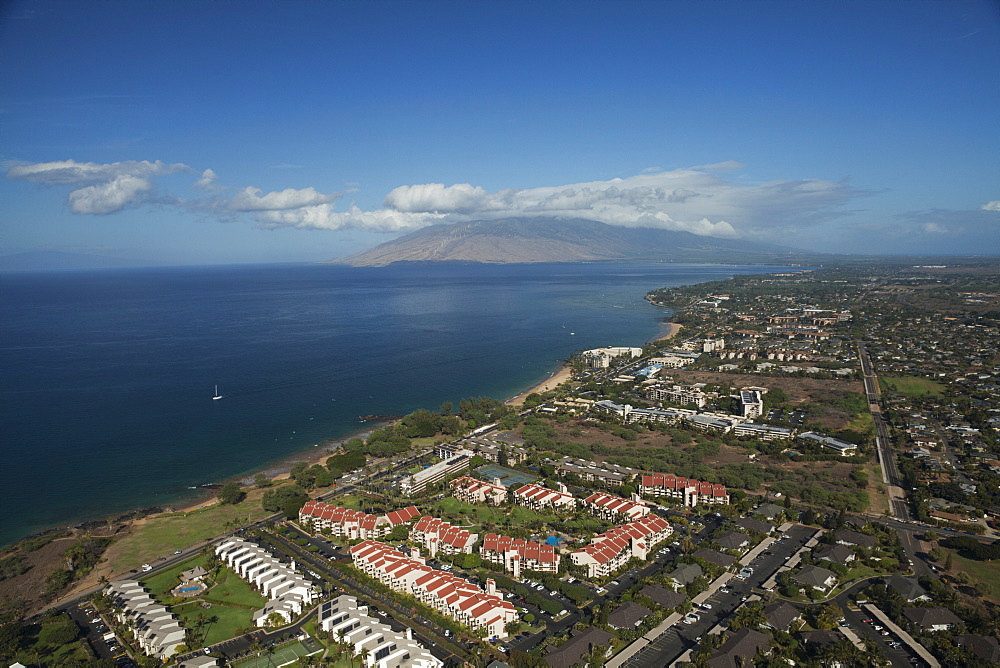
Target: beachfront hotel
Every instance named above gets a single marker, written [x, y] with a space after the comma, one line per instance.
[418, 482]
[287, 590]
[449, 594]
[352, 524]
[537, 497]
[614, 508]
[471, 490]
[351, 623]
[689, 492]
[612, 549]
[517, 554]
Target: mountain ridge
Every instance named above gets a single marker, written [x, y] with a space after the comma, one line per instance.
[534, 240]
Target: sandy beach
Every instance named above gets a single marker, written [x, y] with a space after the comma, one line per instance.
[673, 329]
[557, 378]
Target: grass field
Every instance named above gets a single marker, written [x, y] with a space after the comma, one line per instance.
[912, 386]
[519, 515]
[231, 589]
[982, 571]
[224, 628]
[164, 581]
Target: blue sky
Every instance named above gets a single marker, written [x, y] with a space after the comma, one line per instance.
[215, 132]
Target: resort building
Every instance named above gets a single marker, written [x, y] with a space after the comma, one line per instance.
[287, 590]
[351, 524]
[675, 360]
[350, 623]
[680, 394]
[491, 450]
[843, 448]
[751, 403]
[763, 432]
[471, 490]
[440, 536]
[614, 508]
[517, 554]
[607, 473]
[712, 422]
[418, 482]
[612, 549]
[449, 594]
[689, 492]
[600, 358]
[630, 414]
[157, 632]
[537, 497]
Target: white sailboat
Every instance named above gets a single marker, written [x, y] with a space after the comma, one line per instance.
[217, 395]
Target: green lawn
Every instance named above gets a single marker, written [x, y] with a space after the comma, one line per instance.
[982, 571]
[231, 589]
[912, 386]
[517, 515]
[229, 619]
[160, 584]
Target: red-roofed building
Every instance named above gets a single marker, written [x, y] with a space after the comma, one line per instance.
[690, 492]
[612, 549]
[471, 490]
[449, 594]
[440, 536]
[351, 524]
[537, 497]
[615, 508]
[517, 553]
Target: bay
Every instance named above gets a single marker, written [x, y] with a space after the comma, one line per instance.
[108, 376]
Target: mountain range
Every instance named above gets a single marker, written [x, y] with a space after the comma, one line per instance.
[523, 240]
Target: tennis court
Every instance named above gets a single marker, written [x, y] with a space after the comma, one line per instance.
[281, 656]
[508, 477]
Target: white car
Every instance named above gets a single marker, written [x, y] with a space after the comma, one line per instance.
[706, 606]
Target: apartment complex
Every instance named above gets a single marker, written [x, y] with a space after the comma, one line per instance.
[751, 403]
[440, 536]
[763, 432]
[614, 508]
[517, 553]
[689, 492]
[537, 497]
[349, 622]
[607, 473]
[843, 448]
[680, 394]
[471, 490]
[600, 358]
[156, 630]
[448, 594]
[612, 549]
[457, 462]
[288, 592]
[352, 524]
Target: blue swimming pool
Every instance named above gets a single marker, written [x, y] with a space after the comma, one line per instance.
[553, 540]
[195, 588]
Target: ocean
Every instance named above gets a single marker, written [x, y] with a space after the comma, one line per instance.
[108, 375]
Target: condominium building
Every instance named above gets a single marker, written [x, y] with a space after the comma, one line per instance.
[517, 553]
[612, 549]
[157, 632]
[352, 624]
[440, 536]
[615, 508]
[449, 594]
[763, 432]
[843, 448]
[352, 524]
[471, 490]
[689, 492]
[675, 360]
[418, 482]
[712, 422]
[751, 403]
[537, 497]
[605, 472]
[680, 394]
[600, 358]
[287, 590]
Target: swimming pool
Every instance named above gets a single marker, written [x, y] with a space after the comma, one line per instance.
[194, 588]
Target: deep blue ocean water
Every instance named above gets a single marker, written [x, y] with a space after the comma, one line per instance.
[108, 376]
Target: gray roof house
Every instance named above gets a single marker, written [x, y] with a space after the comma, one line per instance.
[848, 537]
[663, 596]
[739, 649]
[816, 577]
[571, 652]
[750, 524]
[769, 510]
[780, 615]
[732, 540]
[714, 557]
[908, 588]
[932, 619]
[985, 647]
[685, 574]
[628, 616]
[838, 554]
[821, 637]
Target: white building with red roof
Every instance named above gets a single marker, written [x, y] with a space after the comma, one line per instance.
[612, 549]
[538, 497]
[449, 594]
[517, 553]
[471, 490]
[352, 524]
[440, 536]
[615, 508]
[690, 492]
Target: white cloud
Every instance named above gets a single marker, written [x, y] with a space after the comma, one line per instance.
[207, 180]
[250, 199]
[71, 172]
[323, 217]
[991, 206]
[109, 197]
